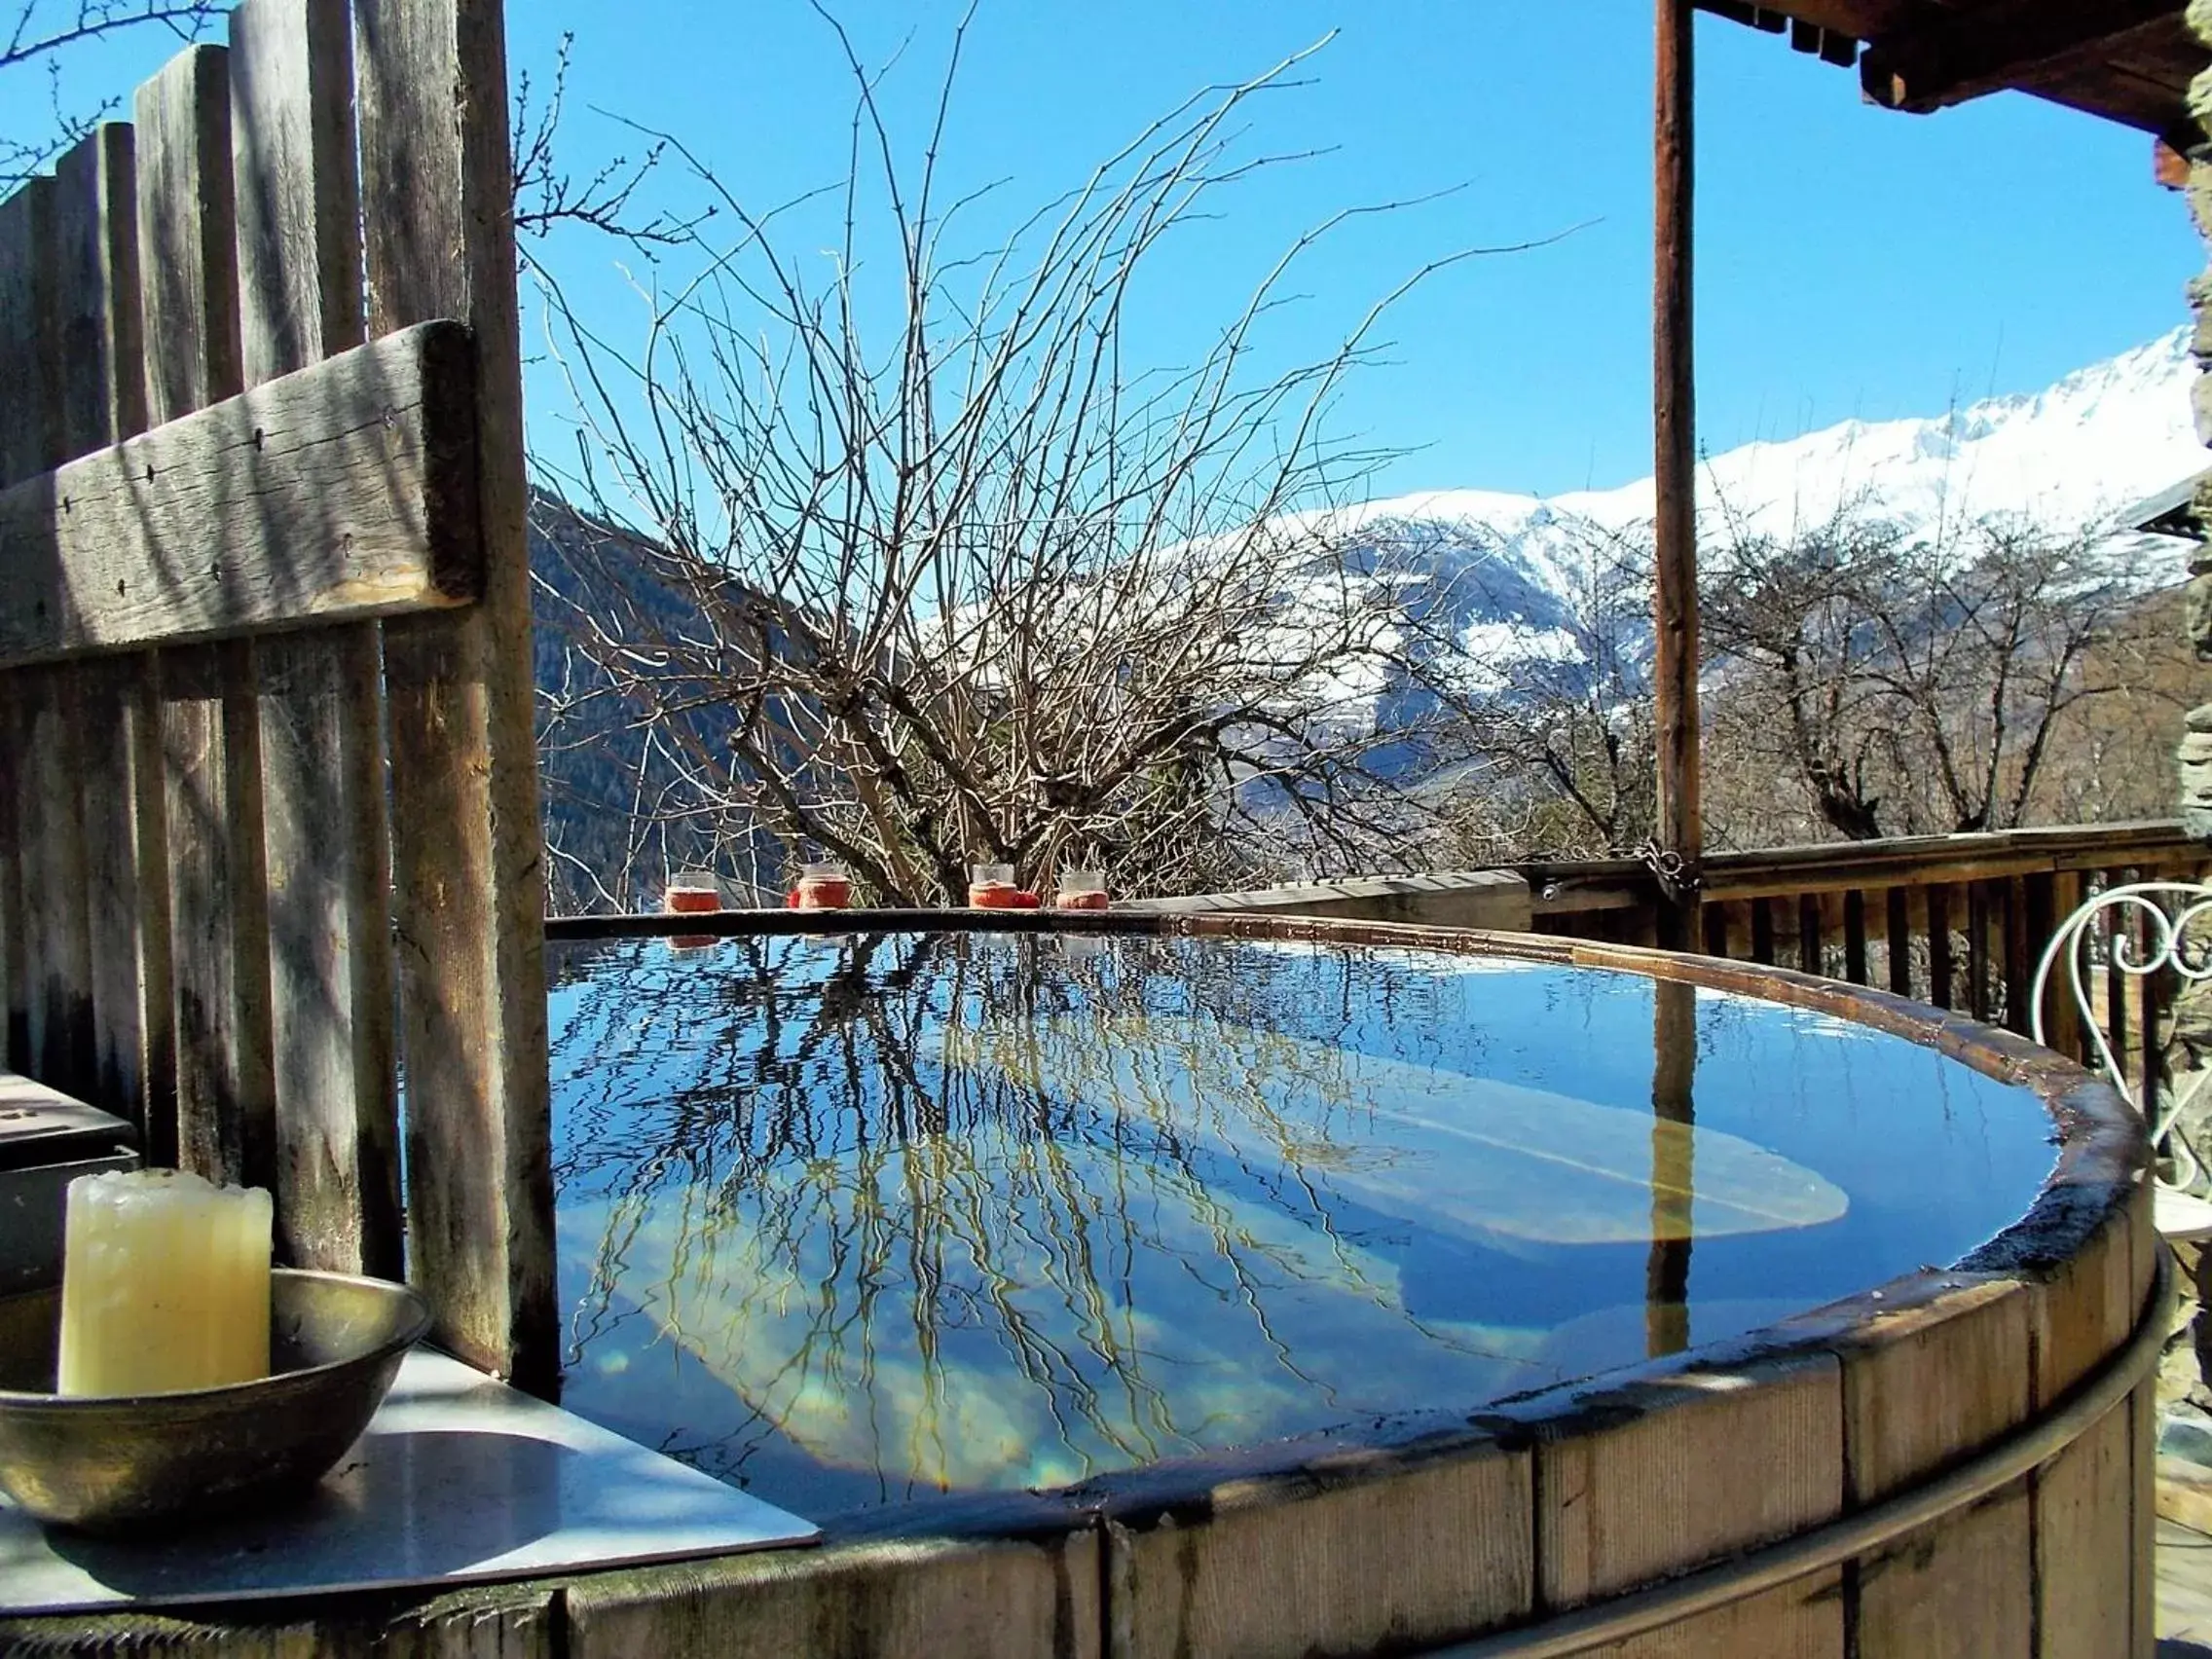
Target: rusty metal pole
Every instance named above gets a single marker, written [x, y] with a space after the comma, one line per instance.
[1681, 829]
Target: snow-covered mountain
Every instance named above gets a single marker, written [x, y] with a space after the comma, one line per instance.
[1508, 568]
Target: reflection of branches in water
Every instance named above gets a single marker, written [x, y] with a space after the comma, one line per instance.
[786, 1087]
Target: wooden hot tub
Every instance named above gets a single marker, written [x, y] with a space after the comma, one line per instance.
[1957, 1459]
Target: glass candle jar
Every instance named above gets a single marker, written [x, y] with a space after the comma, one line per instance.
[990, 886]
[1081, 889]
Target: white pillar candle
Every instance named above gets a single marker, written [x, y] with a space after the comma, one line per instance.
[164, 1284]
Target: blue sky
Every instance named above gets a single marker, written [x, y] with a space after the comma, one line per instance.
[1854, 261]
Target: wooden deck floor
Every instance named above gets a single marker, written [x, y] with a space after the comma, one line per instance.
[2185, 1593]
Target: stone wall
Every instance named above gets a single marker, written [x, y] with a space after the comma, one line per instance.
[2195, 757]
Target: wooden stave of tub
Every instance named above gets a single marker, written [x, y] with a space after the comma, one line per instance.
[1495, 1527]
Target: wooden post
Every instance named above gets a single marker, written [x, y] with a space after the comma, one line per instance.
[1682, 830]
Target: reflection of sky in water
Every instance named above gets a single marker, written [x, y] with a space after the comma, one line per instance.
[852, 1221]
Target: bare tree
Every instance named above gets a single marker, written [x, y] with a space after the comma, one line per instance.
[1906, 683]
[959, 580]
[1561, 756]
[45, 35]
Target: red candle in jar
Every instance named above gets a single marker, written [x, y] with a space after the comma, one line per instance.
[990, 887]
[823, 885]
[690, 898]
[825, 892]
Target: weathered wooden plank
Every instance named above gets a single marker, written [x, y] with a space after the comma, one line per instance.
[1962, 1588]
[15, 976]
[890, 1601]
[103, 401]
[1923, 1387]
[2084, 1536]
[1801, 1620]
[321, 691]
[1695, 1466]
[2143, 1517]
[467, 856]
[211, 751]
[343, 490]
[331, 967]
[297, 184]
[1405, 1560]
[209, 716]
[186, 248]
[48, 802]
[103, 380]
[50, 835]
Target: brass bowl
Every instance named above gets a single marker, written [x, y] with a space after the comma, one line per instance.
[136, 1463]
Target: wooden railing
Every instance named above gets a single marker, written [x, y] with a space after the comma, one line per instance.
[1959, 921]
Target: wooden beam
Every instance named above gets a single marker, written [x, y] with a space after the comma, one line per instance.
[1680, 826]
[345, 490]
[2010, 44]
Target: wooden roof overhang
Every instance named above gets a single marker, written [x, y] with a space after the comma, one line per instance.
[2125, 60]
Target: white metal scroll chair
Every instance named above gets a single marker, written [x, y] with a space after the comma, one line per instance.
[2163, 914]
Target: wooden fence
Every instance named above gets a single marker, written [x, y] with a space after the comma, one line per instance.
[267, 791]
[1959, 921]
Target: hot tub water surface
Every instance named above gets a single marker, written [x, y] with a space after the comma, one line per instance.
[859, 1219]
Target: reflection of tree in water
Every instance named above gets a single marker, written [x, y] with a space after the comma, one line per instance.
[925, 1200]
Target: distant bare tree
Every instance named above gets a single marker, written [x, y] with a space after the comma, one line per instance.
[979, 587]
[1562, 757]
[1908, 683]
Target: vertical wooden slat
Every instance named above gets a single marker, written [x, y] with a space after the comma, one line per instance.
[43, 703]
[14, 1002]
[23, 217]
[1809, 939]
[467, 850]
[103, 397]
[2019, 955]
[210, 740]
[1923, 1385]
[1899, 919]
[1763, 931]
[1978, 949]
[321, 716]
[1940, 991]
[1716, 930]
[2052, 900]
[1855, 935]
